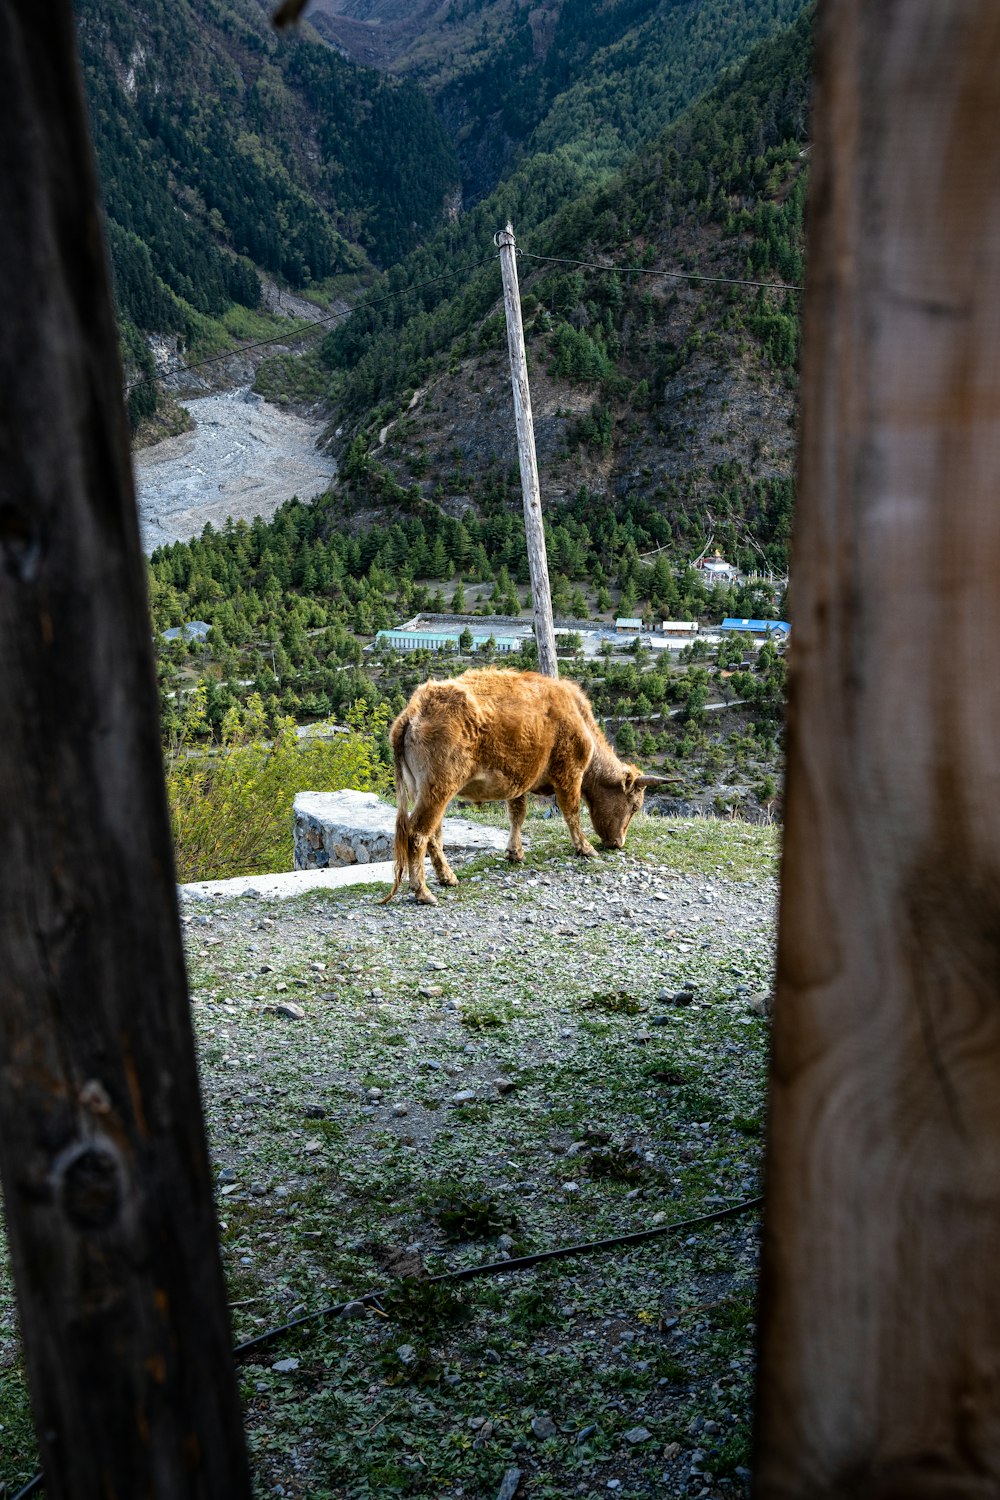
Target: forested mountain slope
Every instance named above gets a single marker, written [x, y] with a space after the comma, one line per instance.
[224, 148]
[598, 80]
[513, 79]
[667, 397]
[664, 410]
[427, 39]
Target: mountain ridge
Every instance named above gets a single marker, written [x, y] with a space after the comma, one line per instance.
[511, 80]
[649, 390]
[224, 150]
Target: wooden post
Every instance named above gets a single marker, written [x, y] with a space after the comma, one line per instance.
[534, 529]
[106, 1180]
[880, 1344]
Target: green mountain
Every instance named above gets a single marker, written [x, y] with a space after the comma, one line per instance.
[428, 40]
[599, 80]
[224, 148]
[672, 400]
[512, 79]
[383, 348]
[661, 313]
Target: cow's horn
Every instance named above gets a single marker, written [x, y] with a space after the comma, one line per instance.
[648, 781]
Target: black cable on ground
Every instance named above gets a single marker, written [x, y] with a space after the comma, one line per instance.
[502, 1267]
[467, 1273]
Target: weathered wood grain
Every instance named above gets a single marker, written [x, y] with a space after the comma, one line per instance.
[880, 1357]
[105, 1173]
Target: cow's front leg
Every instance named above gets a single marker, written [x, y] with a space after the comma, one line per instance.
[517, 807]
[442, 869]
[569, 805]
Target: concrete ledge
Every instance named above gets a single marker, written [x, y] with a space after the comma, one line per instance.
[348, 828]
[294, 883]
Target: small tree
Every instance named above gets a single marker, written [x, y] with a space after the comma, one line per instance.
[465, 641]
[694, 690]
[625, 738]
[766, 790]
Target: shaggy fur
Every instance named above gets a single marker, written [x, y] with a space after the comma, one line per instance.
[495, 736]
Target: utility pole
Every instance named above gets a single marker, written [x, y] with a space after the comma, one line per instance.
[534, 530]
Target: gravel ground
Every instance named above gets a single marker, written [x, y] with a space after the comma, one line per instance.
[243, 459]
[557, 1053]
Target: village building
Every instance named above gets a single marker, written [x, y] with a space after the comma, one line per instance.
[719, 573]
[193, 630]
[761, 630]
[442, 640]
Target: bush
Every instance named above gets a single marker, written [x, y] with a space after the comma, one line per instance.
[231, 802]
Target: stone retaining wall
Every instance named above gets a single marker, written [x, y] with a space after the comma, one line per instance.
[347, 828]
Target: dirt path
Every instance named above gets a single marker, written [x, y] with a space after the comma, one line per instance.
[244, 458]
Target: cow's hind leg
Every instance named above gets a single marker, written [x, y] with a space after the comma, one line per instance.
[442, 869]
[568, 799]
[425, 821]
[517, 807]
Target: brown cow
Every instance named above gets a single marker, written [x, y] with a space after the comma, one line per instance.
[495, 736]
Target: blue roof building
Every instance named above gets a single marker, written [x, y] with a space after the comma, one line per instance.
[778, 630]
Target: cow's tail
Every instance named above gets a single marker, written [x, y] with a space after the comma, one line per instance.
[401, 846]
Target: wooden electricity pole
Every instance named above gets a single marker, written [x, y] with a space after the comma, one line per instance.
[534, 529]
[106, 1180]
[880, 1317]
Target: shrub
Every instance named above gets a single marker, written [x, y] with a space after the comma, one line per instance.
[231, 802]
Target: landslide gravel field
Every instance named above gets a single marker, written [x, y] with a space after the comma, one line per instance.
[561, 1052]
[243, 458]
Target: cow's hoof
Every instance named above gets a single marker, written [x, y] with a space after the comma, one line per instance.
[450, 879]
[516, 856]
[425, 898]
[587, 851]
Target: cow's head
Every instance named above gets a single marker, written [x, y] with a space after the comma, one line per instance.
[614, 801]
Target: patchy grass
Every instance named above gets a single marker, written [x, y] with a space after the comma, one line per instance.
[351, 1167]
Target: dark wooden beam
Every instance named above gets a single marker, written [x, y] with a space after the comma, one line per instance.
[105, 1172]
[880, 1356]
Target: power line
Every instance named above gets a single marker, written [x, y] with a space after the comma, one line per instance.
[286, 338]
[592, 265]
[556, 260]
